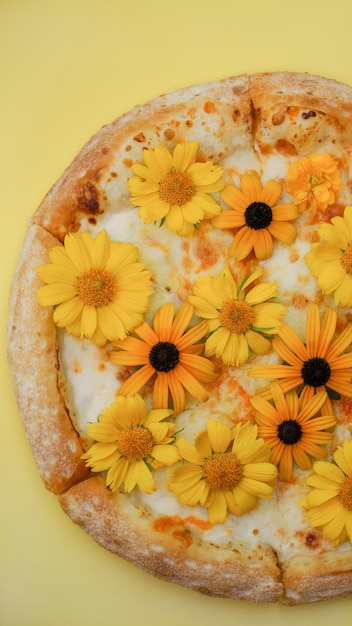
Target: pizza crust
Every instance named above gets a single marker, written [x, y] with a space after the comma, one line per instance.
[33, 363]
[242, 573]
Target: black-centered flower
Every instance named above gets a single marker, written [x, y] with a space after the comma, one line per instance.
[257, 217]
[319, 363]
[171, 354]
[290, 428]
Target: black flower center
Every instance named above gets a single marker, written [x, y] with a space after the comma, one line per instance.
[316, 372]
[164, 356]
[258, 215]
[289, 432]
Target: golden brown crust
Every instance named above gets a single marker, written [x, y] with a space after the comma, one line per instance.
[265, 114]
[214, 107]
[326, 575]
[33, 363]
[114, 522]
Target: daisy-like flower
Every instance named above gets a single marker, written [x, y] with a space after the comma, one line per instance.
[175, 187]
[226, 469]
[290, 427]
[314, 182]
[168, 353]
[257, 217]
[238, 318]
[329, 503]
[130, 443]
[319, 363]
[98, 287]
[330, 260]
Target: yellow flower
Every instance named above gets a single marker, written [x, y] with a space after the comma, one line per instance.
[169, 353]
[257, 217]
[329, 502]
[238, 319]
[314, 181]
[289, 427]
[175, 187]
[330, 261]
[130, 443]
[317, 364]
[98, 288]
[227, 469]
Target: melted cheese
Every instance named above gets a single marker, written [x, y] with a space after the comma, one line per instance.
[175, 264]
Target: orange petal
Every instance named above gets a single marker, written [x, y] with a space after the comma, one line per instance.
[163, 321]
[242, 243]
[133, 384]
[263, 244]
[271, 192]
[251, 187]
[181, 322]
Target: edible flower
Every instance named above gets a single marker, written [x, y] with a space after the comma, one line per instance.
[227, 469]
[329, 503]
[319, 363]
[130, 443]
[330, 260]
[170, 354]
[239, 318]
[257, 217]
[314, 182]
[176, 187]
[291, 429]
[98, 287]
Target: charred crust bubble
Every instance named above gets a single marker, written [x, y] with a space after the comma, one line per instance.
[307, 114]
[88, 199]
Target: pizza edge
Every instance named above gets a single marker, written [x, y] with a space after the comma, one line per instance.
[117, 525]
[32, 354]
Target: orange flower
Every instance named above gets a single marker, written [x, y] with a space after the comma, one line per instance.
[257, 216]
[169, 353]
[314, 182]
[290, 428]
[317, 364]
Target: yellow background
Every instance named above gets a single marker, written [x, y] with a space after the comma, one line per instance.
[66, 68]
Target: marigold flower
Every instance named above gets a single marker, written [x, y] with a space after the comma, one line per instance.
[226, 469]
[290, 427]
[330, 261]
[98, 287]
[131, 442]
[317, 364]
[329, 503]
[314, 182]
[239, 319]
[170, 354]
[257, 217]
[175, 187]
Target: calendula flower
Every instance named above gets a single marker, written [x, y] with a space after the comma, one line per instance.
[175, 187]
[317, 364]
[330, 260]
[226, 469]
[130, 443]
[257, 217]
[238, 317]
[292, 429]
[314, 182]
[169, 353]
[329, 502]
[98, 287]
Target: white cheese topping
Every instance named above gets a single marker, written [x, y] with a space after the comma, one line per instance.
[175, 264]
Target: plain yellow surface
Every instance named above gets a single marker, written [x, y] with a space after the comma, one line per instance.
[66, 68]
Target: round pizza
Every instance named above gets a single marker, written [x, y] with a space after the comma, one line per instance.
[179, 338]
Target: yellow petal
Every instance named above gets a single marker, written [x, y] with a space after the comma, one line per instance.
[219, 435]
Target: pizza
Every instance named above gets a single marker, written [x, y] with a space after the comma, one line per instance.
[179, 338]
